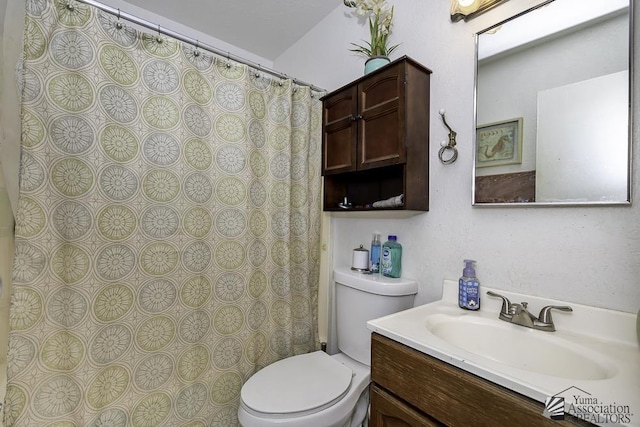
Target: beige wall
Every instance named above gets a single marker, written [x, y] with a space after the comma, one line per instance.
[9, 101]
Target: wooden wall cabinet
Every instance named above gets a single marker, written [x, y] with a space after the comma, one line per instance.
[375, 138]
[410, 388]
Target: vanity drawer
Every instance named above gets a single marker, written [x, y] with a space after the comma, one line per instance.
[450, 395]
[392, 412]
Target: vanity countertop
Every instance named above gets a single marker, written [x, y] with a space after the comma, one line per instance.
[592, 360]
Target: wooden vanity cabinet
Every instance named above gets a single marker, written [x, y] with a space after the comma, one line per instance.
[410, 388]
[375, 138]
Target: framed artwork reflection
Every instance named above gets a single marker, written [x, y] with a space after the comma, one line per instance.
[499, 143]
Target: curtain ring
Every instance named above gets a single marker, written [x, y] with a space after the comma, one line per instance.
[118, 24]
[159, 38]
[196, 53]
[228, 60]
[70, 5]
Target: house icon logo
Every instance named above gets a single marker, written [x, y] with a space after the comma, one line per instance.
[577, 403]
[554, 408]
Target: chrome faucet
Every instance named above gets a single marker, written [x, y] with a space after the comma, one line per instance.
[519, 315]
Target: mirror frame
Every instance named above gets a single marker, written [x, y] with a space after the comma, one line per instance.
[627, 202]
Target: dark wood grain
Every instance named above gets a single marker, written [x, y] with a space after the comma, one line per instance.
[506, 188]
[388, 411]
[375, 142]
[450, 395]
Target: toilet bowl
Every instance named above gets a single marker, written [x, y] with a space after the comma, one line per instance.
[317, 389]
[313, 389]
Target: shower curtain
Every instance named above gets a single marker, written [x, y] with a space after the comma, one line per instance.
[167, 235]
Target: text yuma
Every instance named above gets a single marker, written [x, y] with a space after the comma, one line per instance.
[590, 409]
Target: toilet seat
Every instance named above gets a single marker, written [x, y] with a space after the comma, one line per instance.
[296, 386]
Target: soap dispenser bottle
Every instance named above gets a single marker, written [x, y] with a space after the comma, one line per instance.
[469, 287]
[391, 258]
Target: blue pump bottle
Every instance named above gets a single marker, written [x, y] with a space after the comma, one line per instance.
[469, 287]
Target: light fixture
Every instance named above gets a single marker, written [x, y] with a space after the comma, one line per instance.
[468, 3]
[468, 9]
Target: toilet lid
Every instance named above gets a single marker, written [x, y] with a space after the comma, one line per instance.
[298, 385]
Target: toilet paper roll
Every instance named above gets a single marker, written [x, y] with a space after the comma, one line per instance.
[360, 259]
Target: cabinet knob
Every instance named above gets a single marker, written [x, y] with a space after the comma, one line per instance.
[356, 118]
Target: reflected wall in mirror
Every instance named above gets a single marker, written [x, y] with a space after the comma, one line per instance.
[562, 70]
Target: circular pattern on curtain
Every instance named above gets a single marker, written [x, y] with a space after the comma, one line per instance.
[165, 229]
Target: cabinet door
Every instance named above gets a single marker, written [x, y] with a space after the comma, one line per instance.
[450, 395]
[388, 411]
[381, 124]
[339, 118]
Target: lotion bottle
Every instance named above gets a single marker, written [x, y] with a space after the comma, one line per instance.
[469, 287]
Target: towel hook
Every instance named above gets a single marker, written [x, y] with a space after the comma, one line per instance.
[448, 146]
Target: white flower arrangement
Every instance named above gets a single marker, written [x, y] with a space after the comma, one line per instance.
[380, 16]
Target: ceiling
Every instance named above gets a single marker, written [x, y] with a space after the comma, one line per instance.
[263, 27]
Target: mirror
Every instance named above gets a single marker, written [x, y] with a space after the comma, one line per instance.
[553, 106]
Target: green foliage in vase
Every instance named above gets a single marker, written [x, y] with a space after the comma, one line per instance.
[380, 16]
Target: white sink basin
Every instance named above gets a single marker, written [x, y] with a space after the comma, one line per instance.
[520, 347]
[592, 355]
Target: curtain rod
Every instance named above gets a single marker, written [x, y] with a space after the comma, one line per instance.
[157, 28]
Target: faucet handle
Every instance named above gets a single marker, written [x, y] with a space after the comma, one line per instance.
[545, 313]
[506, 304]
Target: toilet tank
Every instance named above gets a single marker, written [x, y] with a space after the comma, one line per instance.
[362, 297]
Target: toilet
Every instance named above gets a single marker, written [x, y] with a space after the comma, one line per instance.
[318, 389]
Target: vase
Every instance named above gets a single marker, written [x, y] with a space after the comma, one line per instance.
[375, 62]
